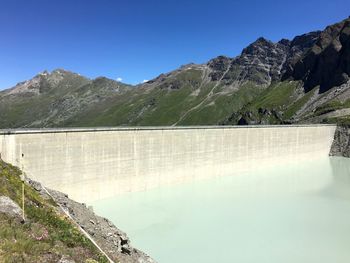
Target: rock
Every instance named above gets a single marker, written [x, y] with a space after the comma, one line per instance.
[112, 240]
[126, 249]
[242, 121]
[262, 61]
[218, 66]
[10, 208]
[341, 142]
[327, 62]
[38, 187]
[66, 259]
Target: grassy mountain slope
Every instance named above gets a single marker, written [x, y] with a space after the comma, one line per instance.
[50, 98]
[192, 103]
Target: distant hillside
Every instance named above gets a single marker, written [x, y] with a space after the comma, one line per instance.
[302, 80]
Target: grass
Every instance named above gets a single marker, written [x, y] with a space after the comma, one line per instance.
[77, 102]
[298, 105]
[266, 105]
[94, 104]
[344, 120]
[331, 106]
[46, 235]
[276, 96]
[158, 106]
[220, 106]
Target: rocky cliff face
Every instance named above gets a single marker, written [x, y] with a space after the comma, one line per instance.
[296, 49]
[285, 82]
[341, 142]
[327, 62]
[263, 61]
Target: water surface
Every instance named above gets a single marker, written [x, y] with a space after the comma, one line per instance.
[290, 213]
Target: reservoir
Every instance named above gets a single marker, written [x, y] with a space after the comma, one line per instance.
[289, 212]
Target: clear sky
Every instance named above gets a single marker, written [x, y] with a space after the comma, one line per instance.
[138, 40]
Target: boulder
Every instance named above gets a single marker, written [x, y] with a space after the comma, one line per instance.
[10, 208]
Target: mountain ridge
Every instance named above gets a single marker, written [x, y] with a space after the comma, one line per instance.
[269, 82]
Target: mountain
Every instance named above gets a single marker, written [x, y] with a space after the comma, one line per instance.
[303, 80]
[327, 62]
[49, 99]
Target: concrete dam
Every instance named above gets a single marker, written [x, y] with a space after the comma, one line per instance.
[96, 163]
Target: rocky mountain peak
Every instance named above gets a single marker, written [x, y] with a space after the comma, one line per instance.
[218, 66]
[261, 41]
[284, 42]
[102, 83]
[261, 62]
[219, 63]
[264, 61]
[31, 86]
[305, 40]
[327, 62]
[258, 46]
[44, 73]
[329, 35]
[45, 81]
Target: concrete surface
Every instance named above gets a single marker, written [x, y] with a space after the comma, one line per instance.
[92, 164]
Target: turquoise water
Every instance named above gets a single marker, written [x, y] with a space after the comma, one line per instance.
[291, 213]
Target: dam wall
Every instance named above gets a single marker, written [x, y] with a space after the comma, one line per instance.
[92, 164]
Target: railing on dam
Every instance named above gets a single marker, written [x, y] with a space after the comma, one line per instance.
[94, 163]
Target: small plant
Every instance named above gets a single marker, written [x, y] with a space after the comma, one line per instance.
[39, 233]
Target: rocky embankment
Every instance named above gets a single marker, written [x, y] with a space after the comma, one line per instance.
[107, 236]
[55, 229]
[341, 142]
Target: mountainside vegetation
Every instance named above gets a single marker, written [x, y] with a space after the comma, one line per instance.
[55, 228]
[303, 80]
[46, 235]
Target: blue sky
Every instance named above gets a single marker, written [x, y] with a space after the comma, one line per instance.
[138, 40]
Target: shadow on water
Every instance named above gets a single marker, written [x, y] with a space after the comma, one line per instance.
[340, 184]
